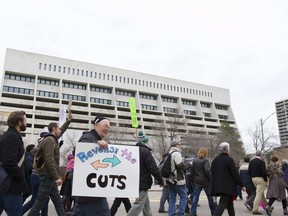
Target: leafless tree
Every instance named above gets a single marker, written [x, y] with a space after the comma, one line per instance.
[256, 140]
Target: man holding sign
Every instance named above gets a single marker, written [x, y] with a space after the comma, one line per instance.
[91, 206]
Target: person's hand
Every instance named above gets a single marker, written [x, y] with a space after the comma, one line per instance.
[102, 143]
[58, 182]
[69, 115]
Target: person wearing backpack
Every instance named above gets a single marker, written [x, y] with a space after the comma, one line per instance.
[12, 157]
[148, 167]
[178, 169]
[49, 172]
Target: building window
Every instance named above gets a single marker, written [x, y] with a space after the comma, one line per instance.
[100, 101]
[74, 97]
[169, 100]
[189, 102]
[169, 110]
[125, 93]
[18, 90]
[74, 85]
[100, 89]
[19, 77]
[225, 117]
[148, 96]
[47, 94]
[190, 112]
[122, 103]
[48, 82]
[40, 65]
[149, 107]
[221, 107]
[207, 114]
[205, 105]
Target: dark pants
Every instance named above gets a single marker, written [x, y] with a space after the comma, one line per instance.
[117, 202]
[47, 188]
[225, 202]
[98, 207]
[12, 203]
[35, 183]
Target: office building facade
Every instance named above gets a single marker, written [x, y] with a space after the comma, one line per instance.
[282, 119]
[41, 85]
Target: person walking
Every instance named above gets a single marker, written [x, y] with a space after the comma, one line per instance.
[202, 178]
[225, 178]
[258, 172]
[148, 168]
[117, 202]
[276, 188]
[179, 188]
[12, 157]
[164, 198]
[247, 181]
[94, 206]
[49, 173]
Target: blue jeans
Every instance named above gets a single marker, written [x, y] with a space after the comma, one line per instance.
[164, 197]
[47, 189]
[35, 183]
[98, 207]
[195, 200]
[12, 203]
[173, 191]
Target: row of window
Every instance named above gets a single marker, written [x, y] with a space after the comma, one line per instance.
[74, 85]
[100, 101]
[149, 107]
[74, 97]
[100, 89]
[169, 110]
[190, 112]
[47, 94]
[19, 77]
[221, 107]
[48, 82]
[170, 100]
[148, 96]
[18, 90]
[125, 93]
[127, 80]
[188, 102]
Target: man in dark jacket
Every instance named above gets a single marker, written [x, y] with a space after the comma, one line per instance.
[49, 172]
[148, 167]
[258, 172]
[94, 206]
[225, 179]
[11, 153]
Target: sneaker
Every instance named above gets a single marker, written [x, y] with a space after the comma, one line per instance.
[248, 206]
[257, 213]
[163, 211]
[268, 210]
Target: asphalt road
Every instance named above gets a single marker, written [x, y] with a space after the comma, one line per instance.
[202, 210]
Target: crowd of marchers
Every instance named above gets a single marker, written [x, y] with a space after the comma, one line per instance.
[32, 177]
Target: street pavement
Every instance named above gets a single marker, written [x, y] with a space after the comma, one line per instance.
[202, 210]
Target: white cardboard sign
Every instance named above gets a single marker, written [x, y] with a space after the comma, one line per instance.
[109, 172]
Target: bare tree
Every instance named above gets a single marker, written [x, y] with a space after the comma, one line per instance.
[256, 140]
[174, 122]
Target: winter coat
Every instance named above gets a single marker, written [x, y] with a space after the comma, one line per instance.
[11, 152]
[246, 177]
[257, 168]
[49, 148]
[276, 187]
[225, 177]
[201, 172]
[177, 165]
[148, 167]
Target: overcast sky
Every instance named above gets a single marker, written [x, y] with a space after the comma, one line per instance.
[239, 45]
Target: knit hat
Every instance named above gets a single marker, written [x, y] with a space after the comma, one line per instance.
[142, 138]
[99, 119]
[174, 143]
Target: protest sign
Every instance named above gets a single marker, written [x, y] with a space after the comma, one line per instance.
[108, 172]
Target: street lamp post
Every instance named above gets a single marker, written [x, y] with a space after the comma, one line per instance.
[262, 132]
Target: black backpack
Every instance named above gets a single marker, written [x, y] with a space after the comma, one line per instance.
[165, 165]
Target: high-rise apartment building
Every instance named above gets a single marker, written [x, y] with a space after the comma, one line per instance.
[41, 85]
[282, 118]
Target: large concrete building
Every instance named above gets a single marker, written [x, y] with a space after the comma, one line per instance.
[282, 118]
[41, 85]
